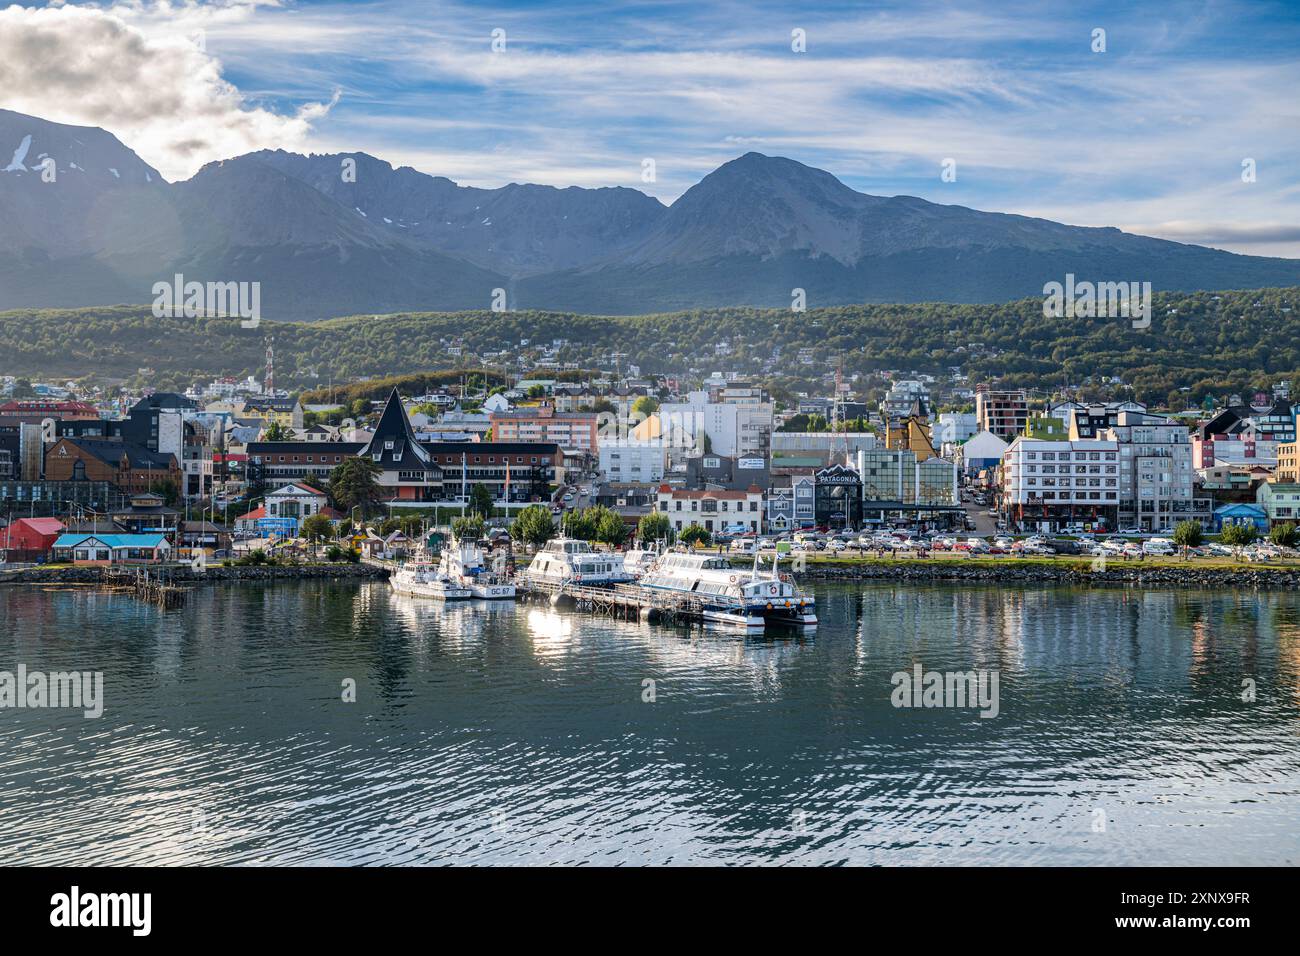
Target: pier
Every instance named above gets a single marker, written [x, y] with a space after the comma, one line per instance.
[627, 602]
[146, 586]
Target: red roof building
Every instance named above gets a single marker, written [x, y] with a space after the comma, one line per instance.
[30, 539]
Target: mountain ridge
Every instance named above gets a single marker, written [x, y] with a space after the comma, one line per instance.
[326, 241]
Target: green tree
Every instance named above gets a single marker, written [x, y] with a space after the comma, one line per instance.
[655, 527]
[580, 523]
[694, 534]
[1284, 535]
[1238, 535]
[1188, 534]
[611, 529]
[167, 488]
[277, 432]
[316, 528]
[645, 405]
[534, 525]
[469, 527]
[480, 501]
[354, 483]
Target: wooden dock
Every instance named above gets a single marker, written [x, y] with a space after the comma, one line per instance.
[628, 602]
[147, 585]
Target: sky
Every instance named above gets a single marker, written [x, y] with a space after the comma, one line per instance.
[1145, 127]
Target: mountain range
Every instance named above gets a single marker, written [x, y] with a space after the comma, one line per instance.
[345, 234]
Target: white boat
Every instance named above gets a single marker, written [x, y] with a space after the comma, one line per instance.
[420, 577]
[571, 561]
[731, 595]
[462, 563]
[637, 561]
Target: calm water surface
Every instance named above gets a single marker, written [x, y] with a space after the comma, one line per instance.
[520, 734]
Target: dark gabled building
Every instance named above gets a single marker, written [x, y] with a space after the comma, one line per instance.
[413, 472]
[273, 464]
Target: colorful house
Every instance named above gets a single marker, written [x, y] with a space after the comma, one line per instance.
[30, 539]
[1281, 502]
[112, 548]
[1240, 514]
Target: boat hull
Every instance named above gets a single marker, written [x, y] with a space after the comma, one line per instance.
[433, 591]
[493, 592]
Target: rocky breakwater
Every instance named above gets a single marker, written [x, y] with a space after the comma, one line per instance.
[1004, 572]
[212, 574]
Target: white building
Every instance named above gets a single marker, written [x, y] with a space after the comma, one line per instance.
[734, 429]
[1049, 484]
[629, 460]
[714, 510]
[953, 428]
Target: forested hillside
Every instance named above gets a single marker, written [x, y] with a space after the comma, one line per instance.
[1205, 342]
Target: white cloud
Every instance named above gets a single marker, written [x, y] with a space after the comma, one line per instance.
[156, 91]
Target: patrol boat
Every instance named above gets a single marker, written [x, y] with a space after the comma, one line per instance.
[462, 563]
[420, 577]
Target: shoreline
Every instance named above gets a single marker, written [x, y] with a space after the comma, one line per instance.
[1057, 572]
[906, 570]
[184, 574]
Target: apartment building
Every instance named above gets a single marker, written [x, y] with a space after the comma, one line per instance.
[1002, 412]
[734, 428]
[1049, 484]
[626, 460]
[572, 431]
[1155, 471]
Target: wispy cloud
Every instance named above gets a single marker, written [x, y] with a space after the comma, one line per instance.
[1150, 133]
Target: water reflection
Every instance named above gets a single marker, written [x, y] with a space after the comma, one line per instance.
[502, 733]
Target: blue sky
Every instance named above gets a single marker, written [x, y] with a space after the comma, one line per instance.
[1149, 135]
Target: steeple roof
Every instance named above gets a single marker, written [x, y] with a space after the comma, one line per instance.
[394, 438]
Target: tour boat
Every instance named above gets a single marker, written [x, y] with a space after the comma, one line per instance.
[462, 564]
[420, 577]
[637, 561]
[731, 595]
[566, 561]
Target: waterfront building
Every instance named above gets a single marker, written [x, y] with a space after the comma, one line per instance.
[1047, 485]
[791, 501]
[1156, 489]
[897, 486]
[95, 548]
[1239, 514]
[1281, 502]
[716, 510]
[29, 539]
